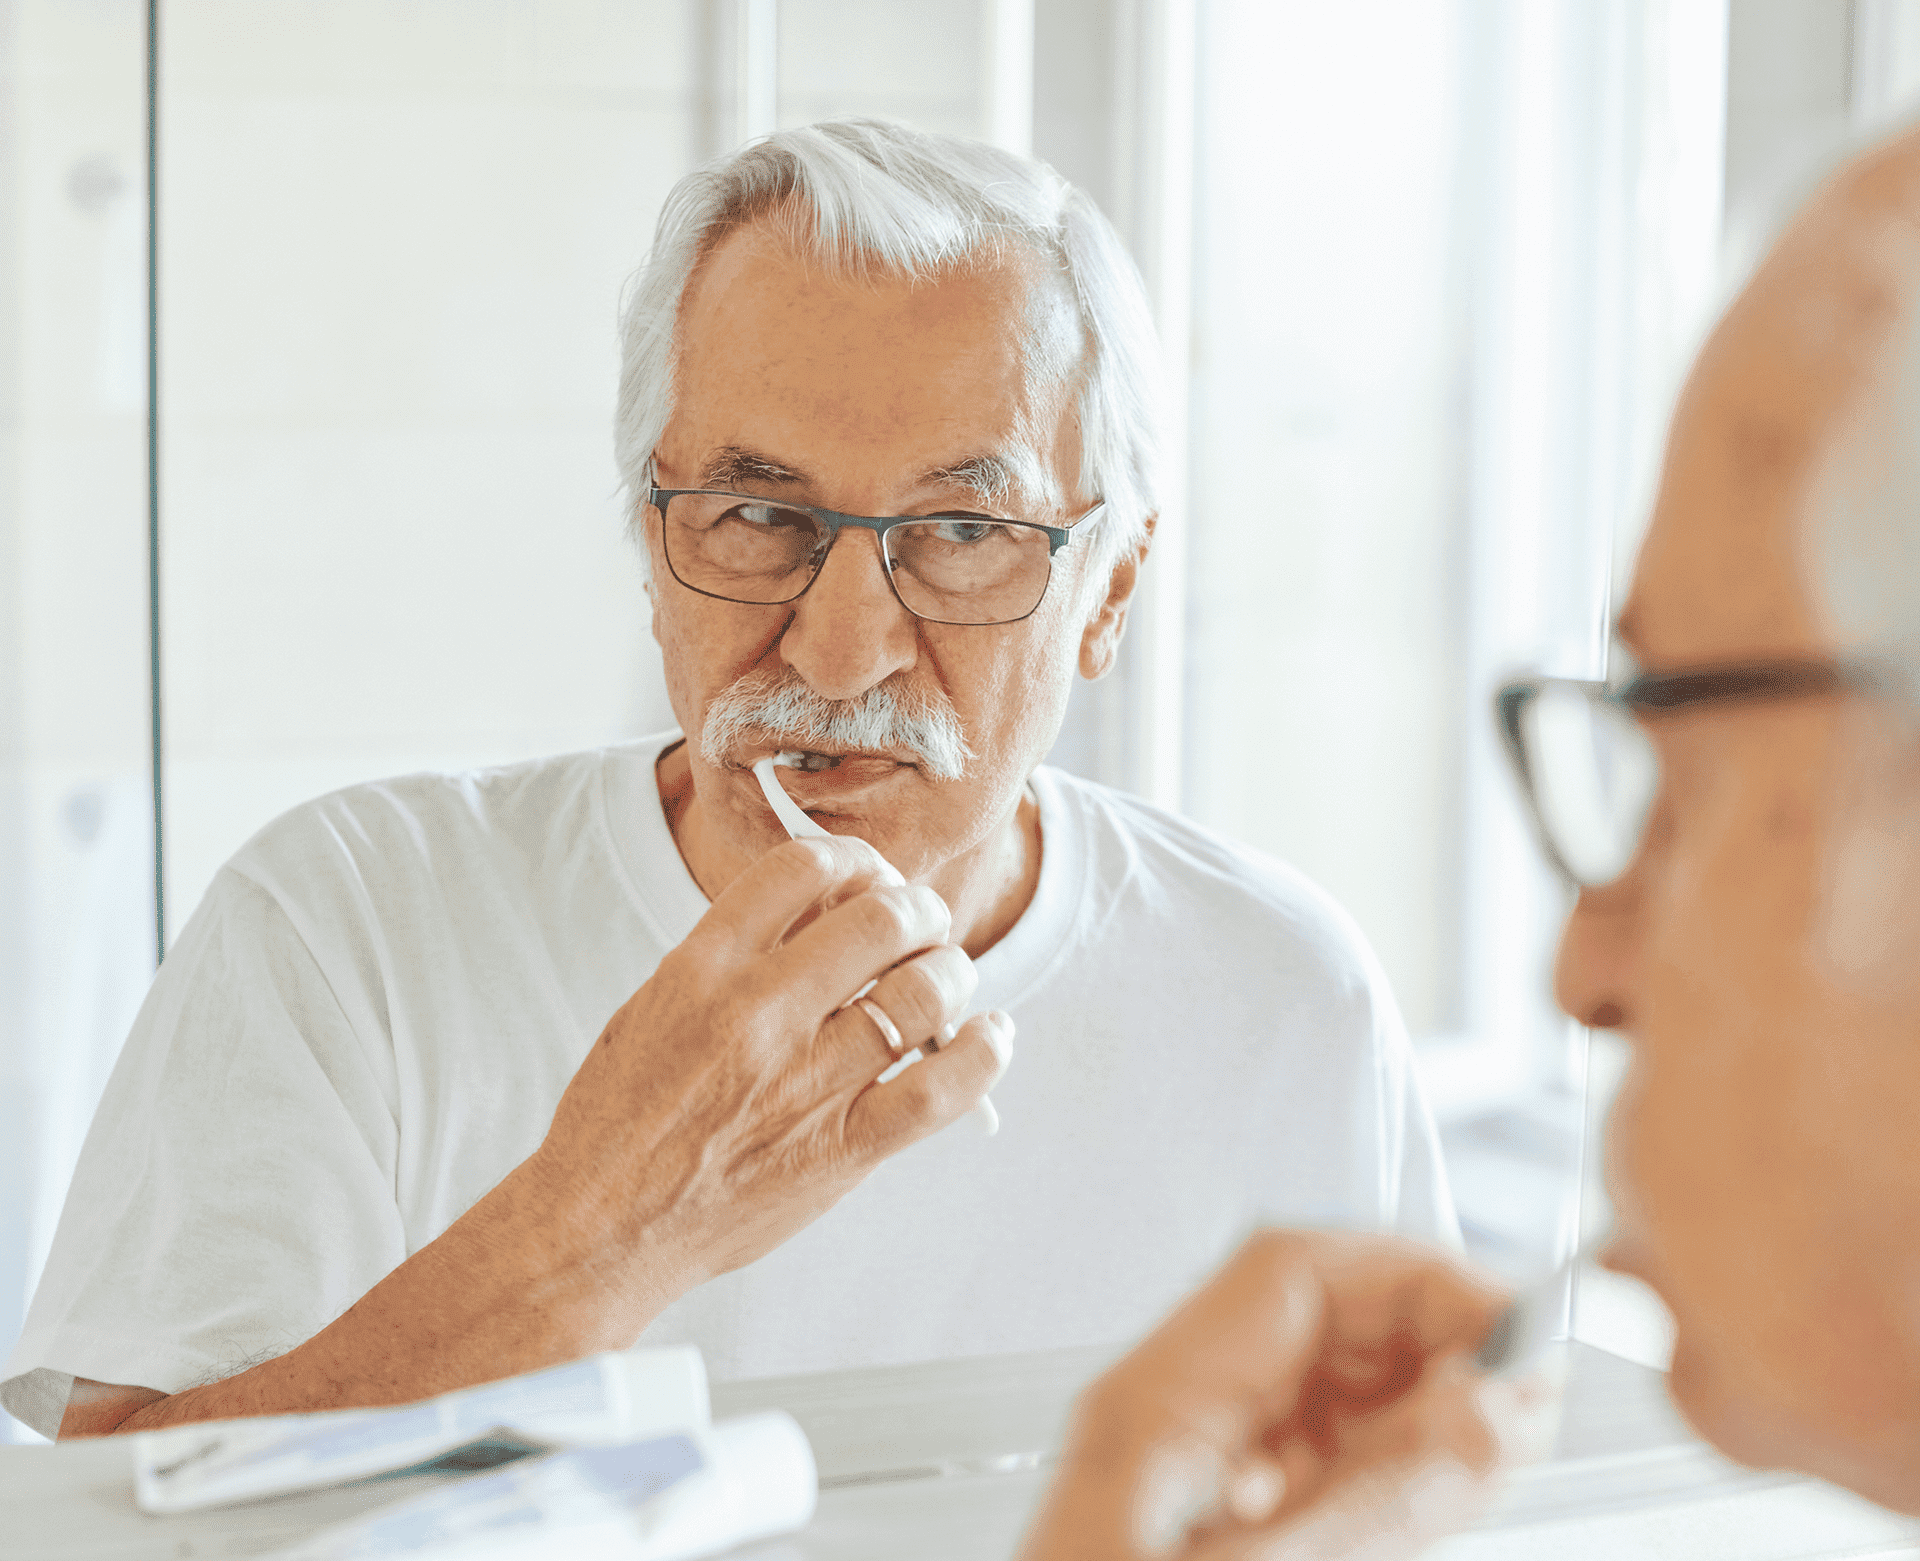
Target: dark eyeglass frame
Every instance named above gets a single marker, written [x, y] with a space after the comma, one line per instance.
[833, 522]
[1651, 693]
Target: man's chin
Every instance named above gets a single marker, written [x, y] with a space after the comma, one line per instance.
[1729, 1402]
[1723, 1409]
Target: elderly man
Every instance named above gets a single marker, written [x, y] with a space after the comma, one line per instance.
[1741, 810]
[886, 426]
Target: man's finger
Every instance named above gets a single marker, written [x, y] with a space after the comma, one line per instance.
[1385, 1291]
[1233, 1355]
[1421, 1467]
[829, 960]
[1238, 1355]
[755, 912]
[914, 999]
[927, 1096]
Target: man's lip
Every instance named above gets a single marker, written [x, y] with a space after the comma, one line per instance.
[1626, 1254]
[751, 756]
[853, 772]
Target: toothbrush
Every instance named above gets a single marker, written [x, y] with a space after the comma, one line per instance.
[796, 823]
[1529, 1322]
[800, 827]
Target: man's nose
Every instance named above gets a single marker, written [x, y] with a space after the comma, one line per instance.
[1592, 974]
[849, 632]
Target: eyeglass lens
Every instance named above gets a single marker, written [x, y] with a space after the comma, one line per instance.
[952, 569]
[1593, 774]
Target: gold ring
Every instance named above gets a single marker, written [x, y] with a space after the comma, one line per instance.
[887, 1028]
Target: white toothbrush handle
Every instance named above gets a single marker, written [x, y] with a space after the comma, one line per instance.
[785, 808]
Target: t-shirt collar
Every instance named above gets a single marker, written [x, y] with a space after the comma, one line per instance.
[666, 895]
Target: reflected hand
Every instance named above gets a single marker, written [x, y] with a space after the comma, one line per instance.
[732, 1100]
[1314, 1399]
[728, 1102]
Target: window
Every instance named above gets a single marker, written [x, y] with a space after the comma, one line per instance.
[1447, 269]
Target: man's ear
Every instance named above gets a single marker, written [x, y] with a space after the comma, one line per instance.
[643, 535]
[1100, 642]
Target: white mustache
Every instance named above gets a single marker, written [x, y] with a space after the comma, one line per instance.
[883, 718]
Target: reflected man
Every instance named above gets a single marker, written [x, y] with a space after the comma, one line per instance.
[886, 424]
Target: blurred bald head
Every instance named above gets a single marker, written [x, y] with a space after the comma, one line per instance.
[1861, 515]
[1762, 952]
[1793, 455]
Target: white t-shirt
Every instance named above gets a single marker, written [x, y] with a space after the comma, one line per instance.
[370, 1018]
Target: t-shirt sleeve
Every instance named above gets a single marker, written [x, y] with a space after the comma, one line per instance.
[236, 1191]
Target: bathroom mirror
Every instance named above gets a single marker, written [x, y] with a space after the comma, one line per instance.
[1422, 292]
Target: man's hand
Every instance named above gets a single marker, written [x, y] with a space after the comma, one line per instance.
[731, 1101]
[1313, 1400]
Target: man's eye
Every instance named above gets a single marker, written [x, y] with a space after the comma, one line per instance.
[958, 528]
[771, 516]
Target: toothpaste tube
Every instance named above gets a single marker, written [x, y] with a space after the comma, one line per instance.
[603, 1399]
[664, 1499]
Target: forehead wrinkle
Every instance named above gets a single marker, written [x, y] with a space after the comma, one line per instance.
[1041, 318]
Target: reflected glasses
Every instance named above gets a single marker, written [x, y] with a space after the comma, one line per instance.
[959, 569]
[1587, 767]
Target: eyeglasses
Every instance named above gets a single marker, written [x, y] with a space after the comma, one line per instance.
[959, 569]
[1587, 767]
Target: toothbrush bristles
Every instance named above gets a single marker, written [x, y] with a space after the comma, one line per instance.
[794, 759]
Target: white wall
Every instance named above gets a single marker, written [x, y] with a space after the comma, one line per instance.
[394, 242]
[393, 245]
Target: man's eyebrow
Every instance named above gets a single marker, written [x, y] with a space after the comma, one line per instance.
[995, 479]
[733, 463]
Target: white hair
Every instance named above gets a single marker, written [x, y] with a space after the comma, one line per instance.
[857, 195]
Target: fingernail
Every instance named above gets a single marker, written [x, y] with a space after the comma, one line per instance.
[1179, 1486]
[1253, 1495]
[1000, 1038]
[933, 905]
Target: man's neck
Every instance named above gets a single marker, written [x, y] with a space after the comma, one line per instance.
[987, 888]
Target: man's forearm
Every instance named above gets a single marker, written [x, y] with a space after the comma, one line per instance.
[726, 1106]
[519, 1282]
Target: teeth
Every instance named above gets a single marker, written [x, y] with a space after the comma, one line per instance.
[807, 761]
